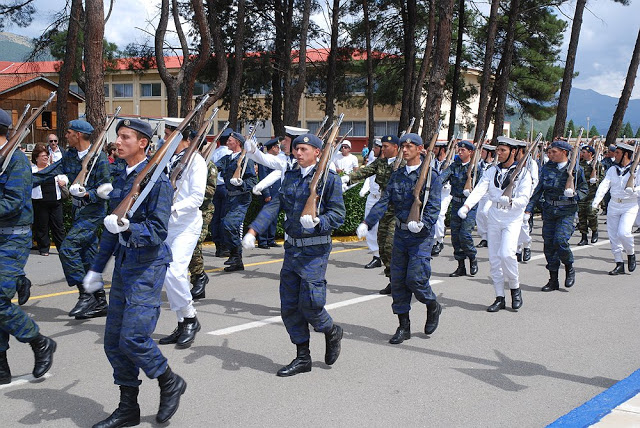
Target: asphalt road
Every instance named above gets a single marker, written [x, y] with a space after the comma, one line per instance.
[524, 368]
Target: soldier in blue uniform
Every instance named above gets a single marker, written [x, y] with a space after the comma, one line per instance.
[267, 239]
[412, 241]
[238, 199]
[16, 216]
[558, 211]
[303, 287]
[141, 260]
[461, 229]
[80, 245]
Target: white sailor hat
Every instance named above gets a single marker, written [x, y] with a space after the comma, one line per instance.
[624, 146]
[377, 142]
[511, 142]
[441, 144]
[172, 121]
[293, 132]
[489, 147]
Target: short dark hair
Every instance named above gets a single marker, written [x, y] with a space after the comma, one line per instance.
[4, 130]
[39, 148]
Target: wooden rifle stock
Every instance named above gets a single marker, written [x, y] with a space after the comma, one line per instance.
[242, 167]
[415, 213]
[398, 160]
[572, 164]
[596, 158]
[450, 152]
[208, 150]
[472, 170]
[311, 206]
[508, 191]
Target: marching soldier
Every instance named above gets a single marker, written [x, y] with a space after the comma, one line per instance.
[607, 162]
[267, 240]
[16, 216]
[558, 211]
[440, 152]
[220, 198]
[588, 217]
[486, 161]
[524, 240]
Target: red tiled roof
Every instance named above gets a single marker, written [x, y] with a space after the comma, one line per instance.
[12, 80]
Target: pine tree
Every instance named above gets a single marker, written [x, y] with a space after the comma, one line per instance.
[549, 136]
[570, 127]
[593, 131]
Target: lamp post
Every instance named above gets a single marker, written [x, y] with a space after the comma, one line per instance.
[588, 128]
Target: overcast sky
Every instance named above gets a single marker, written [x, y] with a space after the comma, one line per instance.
[607, 39]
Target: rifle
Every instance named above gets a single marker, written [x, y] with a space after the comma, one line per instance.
[596, 159]
[19, 134]
[22, 116]
[573, 164]
[398, 160]
[144, 182]
[472, 170]
[508, 191]
[91, 158]
[207, 151]
[417, 208]
[186, 159]
[632, 172]
[324, 121]
[146, 151]
[450, 152]
[326, 132]
[312, 206]
[242, 167]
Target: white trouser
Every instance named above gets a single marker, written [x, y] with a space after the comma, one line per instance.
[444, 207]
[524, 239]
[502, 238]
[482, 216]
[637, 222]
[372, 235]
[620, 218]
[182, 240]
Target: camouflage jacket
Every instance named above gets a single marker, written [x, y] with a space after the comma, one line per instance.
[15, 192]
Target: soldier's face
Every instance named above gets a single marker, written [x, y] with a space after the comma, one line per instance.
[128, 146]
[376, 151]
[72, 138]
[410, 151]
[503, 153]
[286, 145]
[274, 150]
[306, 154]
[464, 153]
[585, 155]
[389, 150]
[557, 155]
[233, 144]
[618, 155]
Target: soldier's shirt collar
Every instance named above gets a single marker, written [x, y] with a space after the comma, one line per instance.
[306, 170]
[391, 160]
[135, 167]
[83, 153]
[412, 168]
[562, 164]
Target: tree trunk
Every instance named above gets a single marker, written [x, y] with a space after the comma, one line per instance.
[93, 63]
[277, 73]
[295, 89]
[425, 65]
[331, 61]
[409, 16]
[370, 76]
[170, 81]
[485, 82]
[618, 116]
[235, 85]
[220, 84]
[438, 74]
[456, 71]
[66, 70]
[565, 89]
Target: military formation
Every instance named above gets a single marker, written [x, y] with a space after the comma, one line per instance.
[152, 212]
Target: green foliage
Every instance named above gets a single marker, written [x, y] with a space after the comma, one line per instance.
[570, 127]
[549, 135]
[626, 131]
[593, 131]
[16, 12]
[521, 131]
[637, 133]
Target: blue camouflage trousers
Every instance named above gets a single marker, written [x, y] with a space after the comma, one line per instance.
[557, 229]
[461, 231]
[237, 207]
[79, 248]
[134, 308]
[410, 270]
[303, 291]
[14, 251]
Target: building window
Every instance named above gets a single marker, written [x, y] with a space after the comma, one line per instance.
[150, 89]
[122, 90]
[359, 128]
[76, 89]
[200, 88]
[382, 128]
[106, 91]
[313, 126]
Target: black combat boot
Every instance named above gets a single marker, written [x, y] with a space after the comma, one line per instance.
[300, 364]
[236, 261]
[128, 412]
[526, 254]
[199, 283]
[404, 330]
[497, 305]
[374, 263]
[516, 298]
[85, 300]
[23, 288]
[594, 236]
[482, 244]
[189, 329]
[519, 257]
[618, 270]
[553, 283]
[99, 307]
[172, 387]
[437, 248]
[434, 309]
[332, 341]
[570, 278]
[5, 371]
[584, 240]
[43, 349]
[631, 262]
[460, 271]
[173, 337]
[386, 290]
[473, 266]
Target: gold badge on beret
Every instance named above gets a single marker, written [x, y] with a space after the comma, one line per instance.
[127, 122]
[305, 139]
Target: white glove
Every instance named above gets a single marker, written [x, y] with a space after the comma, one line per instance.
[415, 226]
[62, 179]
[569, 193]
[236, 181]
[104, 190]
[257, 189]
[362, 230]
[363, 191]
[594, 206]
[249, 241]
[111, 223]
[447, 186]
[463, 211]
[345, 179]
[628, 190]
[593, 180]
[504, 200]
[466, 192]
[92, 282]
[344, 187]
[250, 146]
[77, 190]
[308, 222]
[526, 217]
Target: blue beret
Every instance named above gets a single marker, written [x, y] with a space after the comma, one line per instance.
[137, 125]
[411, 138]
[271, 142]
[466, 144]
[563, 145]
[391, 139]
[226, 133]
[612, 148]
[238, 136]
[590, 149]
[81, 126]
[5, 118]
[309, 139]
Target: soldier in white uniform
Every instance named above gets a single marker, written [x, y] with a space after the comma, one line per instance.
[373, 188]
[524, 240]
[488, 153]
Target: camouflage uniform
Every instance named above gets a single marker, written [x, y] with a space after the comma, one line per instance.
[588, 217]
[16, 216]
[196, 266]
[303, 287]
[382, 169]
[141, 260]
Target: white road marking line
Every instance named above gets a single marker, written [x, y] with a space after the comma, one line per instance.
[24, 379]
[575, 248]
[273, 320]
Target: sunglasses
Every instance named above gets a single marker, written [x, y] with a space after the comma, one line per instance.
[53, 141]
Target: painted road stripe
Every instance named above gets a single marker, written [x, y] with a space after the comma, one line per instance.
[274, 320]
[20, 380]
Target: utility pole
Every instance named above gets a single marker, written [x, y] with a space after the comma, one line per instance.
[588, 128]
